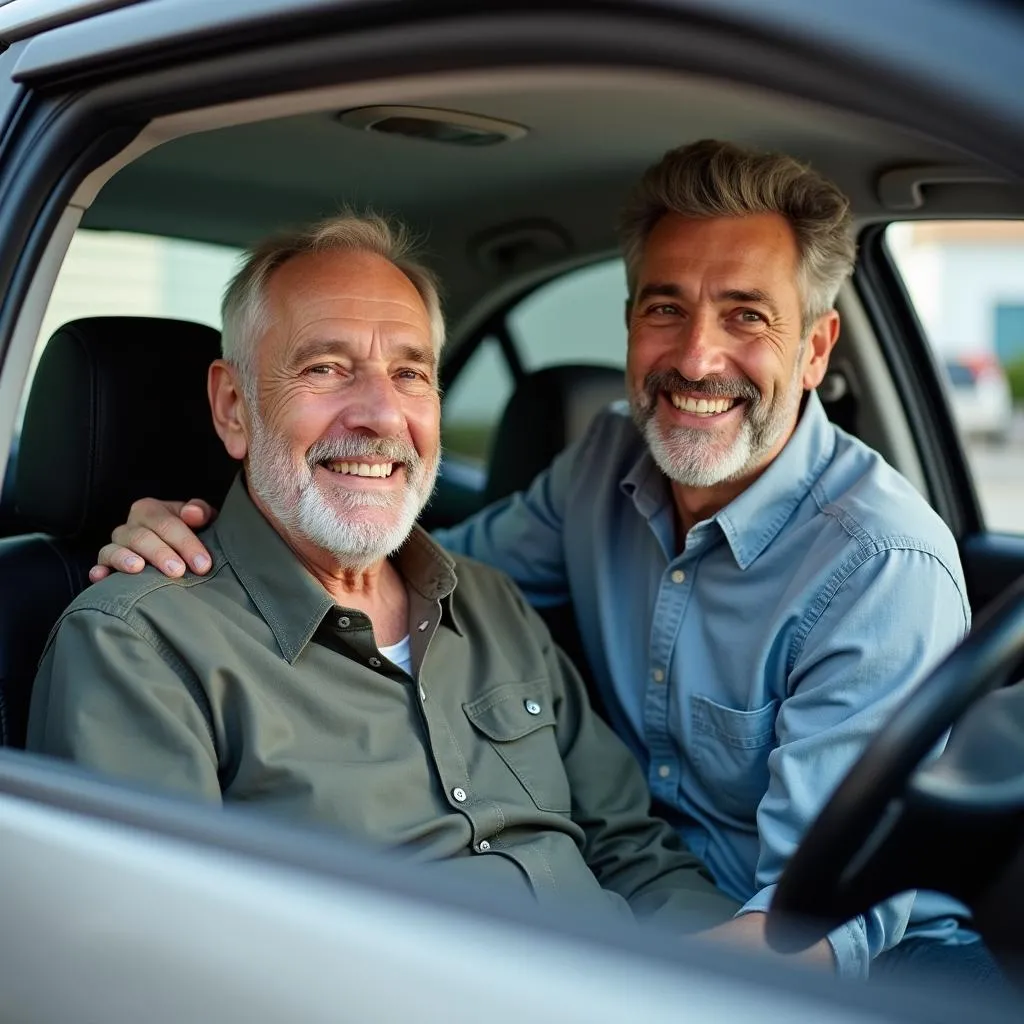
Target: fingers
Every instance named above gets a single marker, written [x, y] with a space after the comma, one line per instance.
[156, 533]
[196, 513]
[117, 558]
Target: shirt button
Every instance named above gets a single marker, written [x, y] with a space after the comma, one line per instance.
[659, 676]
[423, 625]
[532, 706]
[459, 795]
[664, 771]
[678, 576]
[344, 621]
[375, 662]
[483, 846]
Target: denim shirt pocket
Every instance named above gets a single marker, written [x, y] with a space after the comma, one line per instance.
[519, 722]
[730, 753]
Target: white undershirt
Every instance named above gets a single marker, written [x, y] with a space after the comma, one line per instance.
[400, 654]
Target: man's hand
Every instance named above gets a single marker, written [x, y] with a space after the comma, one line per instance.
[160, 533]
[748, 931]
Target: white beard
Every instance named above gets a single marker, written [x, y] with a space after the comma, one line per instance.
[340, 524]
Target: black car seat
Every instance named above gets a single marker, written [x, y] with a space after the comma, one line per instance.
[117, 410]
[549, 409]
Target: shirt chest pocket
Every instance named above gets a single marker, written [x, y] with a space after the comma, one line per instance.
[730, 753]
[518, 721]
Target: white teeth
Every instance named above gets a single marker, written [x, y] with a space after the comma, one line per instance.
[380, 469]
[702, 406]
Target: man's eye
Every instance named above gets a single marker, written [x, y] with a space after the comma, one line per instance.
[320, 370]
[751, 316]
[663, 309]
[413, 375]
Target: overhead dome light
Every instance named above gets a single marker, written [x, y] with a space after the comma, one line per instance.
[448, 126]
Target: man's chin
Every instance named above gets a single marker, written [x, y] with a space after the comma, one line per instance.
[697, 463]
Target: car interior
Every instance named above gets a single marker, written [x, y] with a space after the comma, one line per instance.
[514, 179]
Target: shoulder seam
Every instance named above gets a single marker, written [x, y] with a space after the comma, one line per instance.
[163, 651]
[872, 549]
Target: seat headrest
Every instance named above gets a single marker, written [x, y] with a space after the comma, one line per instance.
[549, 409]
[118, 411]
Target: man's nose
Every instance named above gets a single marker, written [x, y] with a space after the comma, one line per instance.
[372, 405]
[702, 348]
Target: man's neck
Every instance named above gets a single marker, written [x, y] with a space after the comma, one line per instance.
[377, 590]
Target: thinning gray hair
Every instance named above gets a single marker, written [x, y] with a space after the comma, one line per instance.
[718, 179]
[244, 311]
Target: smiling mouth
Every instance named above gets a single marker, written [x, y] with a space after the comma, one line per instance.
[352, 467]
[701, 406]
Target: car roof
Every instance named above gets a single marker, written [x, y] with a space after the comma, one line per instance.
[532, 204]
[20, 19]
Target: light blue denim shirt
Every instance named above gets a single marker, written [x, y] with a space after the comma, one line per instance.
[747, 670]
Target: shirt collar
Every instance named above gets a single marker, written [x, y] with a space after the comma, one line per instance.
[754, 518]
[289, 598]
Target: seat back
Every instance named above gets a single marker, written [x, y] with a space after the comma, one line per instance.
[549, 409]
[117, 411]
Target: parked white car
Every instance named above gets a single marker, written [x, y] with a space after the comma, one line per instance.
[980, 395]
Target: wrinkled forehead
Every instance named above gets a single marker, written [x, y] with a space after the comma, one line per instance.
[344, 294]
[758, 251]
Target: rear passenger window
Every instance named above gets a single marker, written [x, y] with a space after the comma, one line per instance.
[578, 317]
[966, 281]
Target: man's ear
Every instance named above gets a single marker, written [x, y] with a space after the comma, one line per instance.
[820, 342]
[228, 407]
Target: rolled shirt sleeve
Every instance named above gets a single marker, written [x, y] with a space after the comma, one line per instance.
[861, 648]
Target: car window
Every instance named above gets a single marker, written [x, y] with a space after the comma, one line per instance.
[121, 274]
[966, 281]
[474, 402]
[579, 317]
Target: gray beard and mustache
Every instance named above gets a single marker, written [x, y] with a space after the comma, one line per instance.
[348, 524]
[695, 457]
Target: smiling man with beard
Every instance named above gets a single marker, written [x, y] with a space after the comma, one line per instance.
[336, 665]
[755, 589]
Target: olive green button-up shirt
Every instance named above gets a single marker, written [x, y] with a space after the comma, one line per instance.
[250, 685]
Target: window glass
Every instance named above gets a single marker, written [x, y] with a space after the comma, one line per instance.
[475, 401]
[966, 280]
[577, 318]
[112, 273]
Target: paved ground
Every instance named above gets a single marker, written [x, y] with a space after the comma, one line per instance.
[999, 477]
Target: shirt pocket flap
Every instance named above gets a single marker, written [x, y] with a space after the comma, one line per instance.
[512, 711]
[744, 729]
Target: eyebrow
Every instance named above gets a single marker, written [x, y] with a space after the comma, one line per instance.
[673, 291]
[315, 348]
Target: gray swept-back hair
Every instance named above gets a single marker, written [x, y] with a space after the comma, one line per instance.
[244, 312]
[718, 179]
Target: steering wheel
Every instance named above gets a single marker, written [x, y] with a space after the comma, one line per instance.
[844, 866]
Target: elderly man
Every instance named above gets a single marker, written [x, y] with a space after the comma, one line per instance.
[755, 589]
[336, 665]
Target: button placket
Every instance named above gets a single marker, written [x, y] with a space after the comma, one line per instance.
[669, 612]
